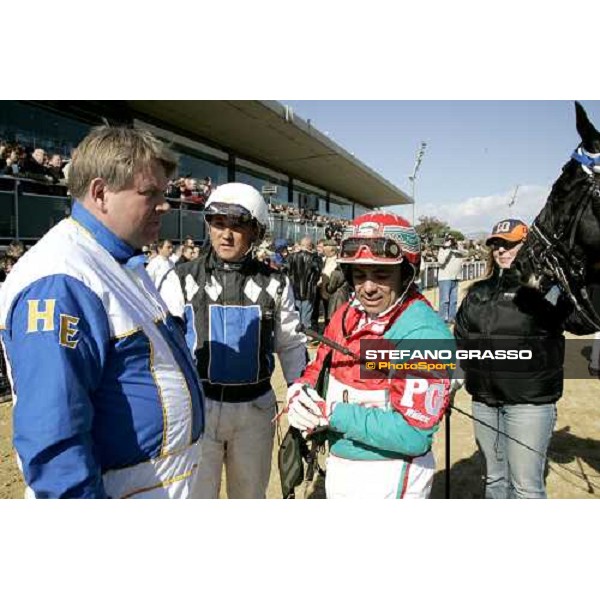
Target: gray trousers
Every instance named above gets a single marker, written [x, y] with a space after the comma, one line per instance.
[239, 436]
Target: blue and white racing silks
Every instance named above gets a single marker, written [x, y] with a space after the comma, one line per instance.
[107, 402]
[234, 334]
[235, 320]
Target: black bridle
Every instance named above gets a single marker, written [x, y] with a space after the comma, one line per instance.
[560, 259]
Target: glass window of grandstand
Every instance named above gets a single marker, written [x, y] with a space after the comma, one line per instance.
[35, 145]
[308, 201]
[34, 127]
[360, 210]
[306, 215]
[197, 177]
[33, 139]
[323, 206]
[339, 209]
[275, 191]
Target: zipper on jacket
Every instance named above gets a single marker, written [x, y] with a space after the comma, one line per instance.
[491, 305]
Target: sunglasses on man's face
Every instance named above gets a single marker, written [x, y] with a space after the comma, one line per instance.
[497, 244]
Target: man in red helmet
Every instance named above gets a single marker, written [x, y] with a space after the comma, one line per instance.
[380, 427]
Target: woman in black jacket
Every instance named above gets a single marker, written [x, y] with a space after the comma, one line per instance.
[516, 397]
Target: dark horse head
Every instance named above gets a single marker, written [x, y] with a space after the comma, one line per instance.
[563, 246]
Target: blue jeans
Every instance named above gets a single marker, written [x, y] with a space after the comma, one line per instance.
[305, 310]
[513, 471]
[448, 293]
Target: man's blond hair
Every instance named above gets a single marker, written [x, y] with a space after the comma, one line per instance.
[116, 154]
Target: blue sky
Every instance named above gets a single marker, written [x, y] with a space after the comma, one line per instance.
[477, 151]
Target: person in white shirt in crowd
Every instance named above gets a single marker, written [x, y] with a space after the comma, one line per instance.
[160, 265]
[450, 259]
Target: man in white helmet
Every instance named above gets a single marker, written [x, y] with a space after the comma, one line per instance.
[237, 313]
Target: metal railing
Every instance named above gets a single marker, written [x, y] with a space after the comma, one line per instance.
[29, 208]
[181, 222]
[429, 273]
[294, 231]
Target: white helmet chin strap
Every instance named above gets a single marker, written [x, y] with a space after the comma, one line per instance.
[412, 280]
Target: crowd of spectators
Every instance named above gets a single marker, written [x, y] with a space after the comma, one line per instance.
[181, 253]
[12, 254]
[475, 251]
[8, 259]
[190, 190]
[269, 247]
[333, 226]
[19, 161]
[36, 163]
[319, 285]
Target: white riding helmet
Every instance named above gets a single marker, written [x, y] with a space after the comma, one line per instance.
[239, 200]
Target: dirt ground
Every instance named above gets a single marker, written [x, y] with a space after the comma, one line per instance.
[574, 468]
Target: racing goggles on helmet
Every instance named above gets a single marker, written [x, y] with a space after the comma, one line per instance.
[235, 214]
[377, 247]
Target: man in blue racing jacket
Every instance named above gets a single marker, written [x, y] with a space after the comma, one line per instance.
[106, 398]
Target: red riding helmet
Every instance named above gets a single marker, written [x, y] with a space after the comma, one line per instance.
[380, 238]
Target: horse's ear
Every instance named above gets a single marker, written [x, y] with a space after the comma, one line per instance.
[588, 133]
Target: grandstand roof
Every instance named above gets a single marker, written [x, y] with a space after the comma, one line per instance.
[267, 133]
